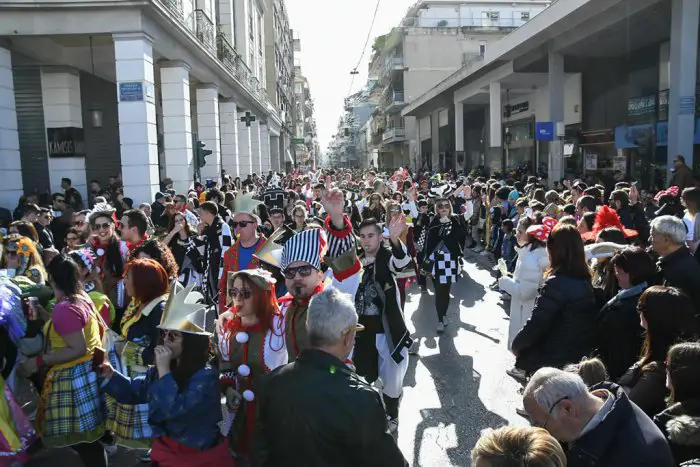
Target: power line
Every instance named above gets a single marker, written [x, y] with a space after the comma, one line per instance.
[364, 49]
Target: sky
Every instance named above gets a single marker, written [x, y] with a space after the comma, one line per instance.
[332, 33]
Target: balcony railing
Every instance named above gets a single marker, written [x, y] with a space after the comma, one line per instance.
[206, 32]
[392, 133]
[175, 7]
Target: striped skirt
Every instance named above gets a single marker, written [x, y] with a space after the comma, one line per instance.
[128, 422]
[70, 410]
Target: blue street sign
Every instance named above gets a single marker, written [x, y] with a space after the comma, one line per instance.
[687, 105]
[544, 131]
[131, 91]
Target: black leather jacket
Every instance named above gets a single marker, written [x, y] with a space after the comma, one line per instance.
[321, 414]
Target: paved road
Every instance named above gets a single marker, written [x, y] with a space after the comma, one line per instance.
[455, 388]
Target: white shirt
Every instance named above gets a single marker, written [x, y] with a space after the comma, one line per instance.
[689, 221]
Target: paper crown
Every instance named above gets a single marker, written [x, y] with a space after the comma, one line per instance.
[271, 251]
[183, 313]
[246, 203]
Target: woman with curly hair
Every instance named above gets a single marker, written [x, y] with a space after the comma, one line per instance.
[155, 250]
[179, 238]
[251, 344]
[110, 251]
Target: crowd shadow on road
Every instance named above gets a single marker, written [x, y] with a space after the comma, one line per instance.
[456, 381]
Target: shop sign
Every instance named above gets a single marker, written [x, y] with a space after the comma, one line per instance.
[544, 131]
[641, 109]
[131, 91]
[66, 142]
[662, 133]
[515, 109]
[633, 136]
[597, 137]
[687, 105]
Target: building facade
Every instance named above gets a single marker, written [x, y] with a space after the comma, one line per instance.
[91, 89]
[434, 40]
[305, 140]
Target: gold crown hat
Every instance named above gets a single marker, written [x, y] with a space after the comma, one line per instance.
[183, 313]
[247, 204]
[271, 251]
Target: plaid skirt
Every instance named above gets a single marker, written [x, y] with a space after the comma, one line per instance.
[128, 422]
[70, 410]
[446, 268]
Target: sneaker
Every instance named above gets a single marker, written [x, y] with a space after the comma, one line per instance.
[440, 327]
[146, 458]
[517, 374]
[392, 425]
[521, 411]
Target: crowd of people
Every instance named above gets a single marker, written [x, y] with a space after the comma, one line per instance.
[182, 326]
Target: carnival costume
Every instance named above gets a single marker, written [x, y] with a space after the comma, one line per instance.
[184, 418]
[246, 354]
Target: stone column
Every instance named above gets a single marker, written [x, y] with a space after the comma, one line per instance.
[228, 123]
[265, 152]
[556, 79]
[177, 124]
[685, 15]
[244, 147]
[459, 136]
[10, 162]
[494, 157]
[435, 139]
[275, 143]
[208, 129]
[138, 135]
[60, 90]
[255, 148]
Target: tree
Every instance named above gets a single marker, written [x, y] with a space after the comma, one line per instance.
[379, 43]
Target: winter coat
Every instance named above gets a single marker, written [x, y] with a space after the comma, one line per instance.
[527, 278]
[344, 422]
[680, 423]
[646, 386]
[680, 269]
[619, 333]
[561, 329]
[624, 438]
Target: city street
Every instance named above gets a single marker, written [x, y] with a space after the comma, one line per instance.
[455, 388]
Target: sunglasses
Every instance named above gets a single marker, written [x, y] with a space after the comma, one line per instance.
[104, 226]
[241, 224]
[243, 294]
[304, 271]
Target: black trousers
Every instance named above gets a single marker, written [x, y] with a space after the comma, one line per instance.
[442, 298]
[422, 279]
[92, 454]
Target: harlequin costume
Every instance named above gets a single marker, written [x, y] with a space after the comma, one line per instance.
[184, 417]
[245, 355]
[25, 249]
[337, 247]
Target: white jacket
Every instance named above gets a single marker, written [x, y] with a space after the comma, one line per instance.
[527, 278]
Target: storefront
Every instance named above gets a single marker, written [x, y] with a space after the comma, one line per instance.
[596, 150]
[519, 137]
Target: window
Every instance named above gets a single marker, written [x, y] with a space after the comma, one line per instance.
[524, 15]
[482, 49]
[494, 15]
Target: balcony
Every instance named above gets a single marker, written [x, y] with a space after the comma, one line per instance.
[394, 63]
[394, 135]
[205, 30]
[395, 102]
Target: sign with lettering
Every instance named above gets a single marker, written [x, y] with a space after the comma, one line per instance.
[641, 109]
[687, 105]
[131, 91]
[515, 109]
[66, 142]
[544, 131]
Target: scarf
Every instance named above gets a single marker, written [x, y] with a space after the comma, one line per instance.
[133, 246]
[131, 316]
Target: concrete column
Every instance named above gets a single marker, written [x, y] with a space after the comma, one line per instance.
[265, 152]
[10, 162]
[228, 123]
[208, 129]
[177, 124]
[255, 148]
[556, 79]
[60, 90]
[435, 139]
[275, 144]
[226, 20]
[493, 159]
[244, 148]
[138, 135]
[459, 136]
[685, 15]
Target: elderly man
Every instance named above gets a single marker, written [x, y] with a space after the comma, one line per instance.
[677, 266]
[603, 428]
[329, 415]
